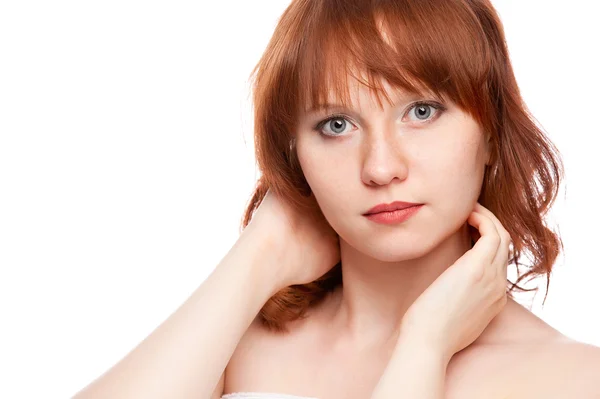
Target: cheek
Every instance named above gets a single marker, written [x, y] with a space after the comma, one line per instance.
[458, 157]
[324, 173]
[455, 180]
[330, 180]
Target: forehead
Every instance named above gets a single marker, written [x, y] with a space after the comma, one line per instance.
[362, 94]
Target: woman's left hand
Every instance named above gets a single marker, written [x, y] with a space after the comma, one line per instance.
[455, 309]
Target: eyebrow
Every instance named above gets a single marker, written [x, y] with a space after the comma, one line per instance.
[398, 98]
[320, 107]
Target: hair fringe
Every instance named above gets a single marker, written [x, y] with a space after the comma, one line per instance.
[453, 49]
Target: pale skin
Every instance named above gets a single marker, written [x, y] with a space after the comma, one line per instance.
[382, 155]
[413, 295]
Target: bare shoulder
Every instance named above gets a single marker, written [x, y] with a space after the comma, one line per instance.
[575, 369]
[566, 369]
[524, 357]
[268, 360]
[236, 372]
[254, 362]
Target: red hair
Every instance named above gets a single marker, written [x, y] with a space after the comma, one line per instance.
[453, 49]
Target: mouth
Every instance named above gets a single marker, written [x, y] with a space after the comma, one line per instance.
[394, 206]
[394, 217]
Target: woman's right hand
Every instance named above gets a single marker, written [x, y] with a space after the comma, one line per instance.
[455, 309]
[306, 248]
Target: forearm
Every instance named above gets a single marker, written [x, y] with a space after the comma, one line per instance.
[415, 371]
[186, 355]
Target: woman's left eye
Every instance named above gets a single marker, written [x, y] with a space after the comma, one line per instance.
[422, 111]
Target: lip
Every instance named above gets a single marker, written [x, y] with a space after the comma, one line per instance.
[394, 206]
[393, 217]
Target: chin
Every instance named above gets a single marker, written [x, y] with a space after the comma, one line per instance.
[399, 255]
[392, 250]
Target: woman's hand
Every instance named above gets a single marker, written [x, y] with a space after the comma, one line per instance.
[307, 248]
[455, 309]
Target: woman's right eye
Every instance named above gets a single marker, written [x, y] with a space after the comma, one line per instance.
[337, 125]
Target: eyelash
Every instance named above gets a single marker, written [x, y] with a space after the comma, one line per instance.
[439, 109]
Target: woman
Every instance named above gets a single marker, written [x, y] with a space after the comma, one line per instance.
[408, 104]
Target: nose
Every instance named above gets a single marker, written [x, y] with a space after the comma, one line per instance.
[383, 161]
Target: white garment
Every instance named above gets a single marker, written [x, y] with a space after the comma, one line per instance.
[262, 395]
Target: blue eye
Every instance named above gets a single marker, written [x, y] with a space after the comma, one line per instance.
[422, 111]
[340, 123]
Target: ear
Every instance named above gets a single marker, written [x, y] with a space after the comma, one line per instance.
[488, 149]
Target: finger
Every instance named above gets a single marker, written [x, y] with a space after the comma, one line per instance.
[474, 234]
[491, 215]
[501, 258]
[486, 247]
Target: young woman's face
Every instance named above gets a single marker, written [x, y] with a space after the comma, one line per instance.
[408, 152]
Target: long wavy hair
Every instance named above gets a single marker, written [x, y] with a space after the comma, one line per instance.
[455, 49]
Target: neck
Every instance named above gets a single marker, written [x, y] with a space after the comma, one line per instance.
[376, 294]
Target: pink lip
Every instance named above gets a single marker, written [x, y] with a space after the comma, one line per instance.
[397, 216]
[390, 207]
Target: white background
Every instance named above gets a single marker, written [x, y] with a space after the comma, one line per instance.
[126, 159]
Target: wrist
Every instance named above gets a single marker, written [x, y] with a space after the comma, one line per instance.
[415, 370]
[261, 253]
[422, 347]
